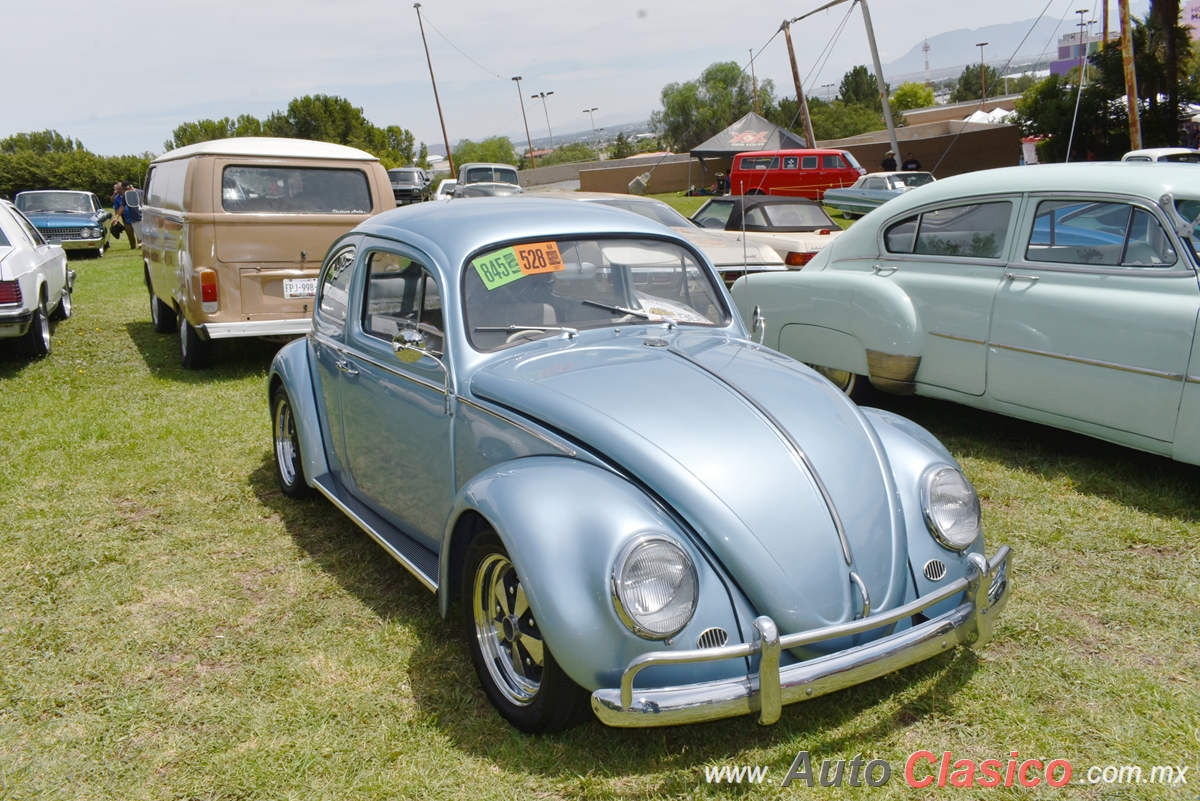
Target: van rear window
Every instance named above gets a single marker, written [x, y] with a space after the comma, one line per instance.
[295, 190]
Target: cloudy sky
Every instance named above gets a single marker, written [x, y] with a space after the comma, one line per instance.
[121, 81]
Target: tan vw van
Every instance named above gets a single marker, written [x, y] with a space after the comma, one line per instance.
[234, 232]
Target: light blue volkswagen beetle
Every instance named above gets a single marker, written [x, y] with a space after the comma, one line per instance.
[552, 412]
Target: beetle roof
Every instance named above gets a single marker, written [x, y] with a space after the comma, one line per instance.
[462, 226]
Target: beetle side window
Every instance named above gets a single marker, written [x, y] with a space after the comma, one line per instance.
[977, 231]
[334, 291]
[401, 294]
[1104, 234]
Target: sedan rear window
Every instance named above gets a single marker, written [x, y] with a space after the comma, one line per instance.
[978, 230]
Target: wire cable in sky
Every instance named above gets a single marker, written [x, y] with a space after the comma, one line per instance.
[464, 55]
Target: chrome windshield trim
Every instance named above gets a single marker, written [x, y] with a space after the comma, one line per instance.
[957, 338]
[563, 449]
[1092, 362]
[797, 451]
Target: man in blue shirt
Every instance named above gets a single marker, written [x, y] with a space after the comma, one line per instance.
[129, 215]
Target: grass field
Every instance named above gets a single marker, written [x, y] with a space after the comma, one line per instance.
[171, 627]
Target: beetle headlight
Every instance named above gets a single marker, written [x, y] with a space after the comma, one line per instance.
[951, 508]
[654, 587]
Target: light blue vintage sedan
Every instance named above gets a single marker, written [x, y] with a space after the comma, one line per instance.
[552, 412]
[1063, 294]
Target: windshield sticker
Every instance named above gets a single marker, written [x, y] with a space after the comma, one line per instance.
[507, 265]
[498, 268]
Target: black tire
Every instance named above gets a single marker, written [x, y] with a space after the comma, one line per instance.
[63, 310]
[755, 192]
[194, 351]
[162, 315]
[35, 344]
[506, 646]
[289, 466]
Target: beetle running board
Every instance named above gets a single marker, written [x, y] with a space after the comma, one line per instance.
[415, 557]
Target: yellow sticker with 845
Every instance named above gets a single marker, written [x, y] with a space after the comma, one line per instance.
[507, 265]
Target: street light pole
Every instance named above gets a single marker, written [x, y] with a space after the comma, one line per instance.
[528, 140]
[1082, 41]
[828, 94]
[982, 72]
[543, 96]
[595, 141]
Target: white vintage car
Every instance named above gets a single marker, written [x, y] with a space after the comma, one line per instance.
[35, 284]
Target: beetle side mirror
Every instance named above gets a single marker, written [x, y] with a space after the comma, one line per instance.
[409, 345]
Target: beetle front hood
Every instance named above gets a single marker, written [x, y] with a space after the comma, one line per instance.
[764, 459]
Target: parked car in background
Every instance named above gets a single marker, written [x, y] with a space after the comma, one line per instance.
[234, 231]
[74, 220]
[1179, 155]
[497, 189]
[797, 228]
[409, 185]
[551, 411]
[793, 173]
[445, 189]
[1064, 294]
[872, 190]
[484, 179]
[35, 284]
[732, 253]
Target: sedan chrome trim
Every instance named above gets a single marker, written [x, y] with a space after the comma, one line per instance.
[957, 338]
[797, 451]
[986, 587]
[1092, 362]
[1193, 379]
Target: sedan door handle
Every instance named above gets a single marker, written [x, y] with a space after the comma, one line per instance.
[346, 367]
[883, 269]
[1019, 277]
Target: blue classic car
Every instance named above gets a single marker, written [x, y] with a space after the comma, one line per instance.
[1063, 294]
[74, 220]
[551, 411]
[873, 190]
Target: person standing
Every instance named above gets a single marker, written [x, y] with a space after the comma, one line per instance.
[911, 164]
[130, 216]
[889, 161]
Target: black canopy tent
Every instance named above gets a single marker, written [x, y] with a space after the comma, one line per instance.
[748, 134]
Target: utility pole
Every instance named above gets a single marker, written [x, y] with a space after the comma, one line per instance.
[786, 27]
[445, 138]
[1131, 97]
[543, 96]
[887, 107]
[528, 140]
[982, 72]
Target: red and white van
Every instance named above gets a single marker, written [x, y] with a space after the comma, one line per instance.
[796, 173]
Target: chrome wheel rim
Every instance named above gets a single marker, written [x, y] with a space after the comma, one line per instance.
[508, 636]
[183, 336]
[286, 447]
[154, 310]
[64, 305]
[43, 324]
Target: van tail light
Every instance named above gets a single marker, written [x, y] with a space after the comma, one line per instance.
[10, 292]
[208, 291]
[796, 259]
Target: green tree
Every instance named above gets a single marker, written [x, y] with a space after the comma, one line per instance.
[497, 149]
[40, 142]
[568, 154]
[910, 95]
[622, 148]
[838, 120]
[697, 110]
[970, 84]
[859, 88]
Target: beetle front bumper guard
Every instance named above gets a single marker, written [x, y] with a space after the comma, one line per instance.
[987, 589]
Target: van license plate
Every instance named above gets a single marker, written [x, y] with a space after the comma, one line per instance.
[299, 287]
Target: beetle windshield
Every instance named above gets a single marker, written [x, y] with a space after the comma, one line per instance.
[534, 289]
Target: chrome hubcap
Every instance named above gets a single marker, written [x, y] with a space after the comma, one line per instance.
[508, 636]
[842, 379]
[285, 442]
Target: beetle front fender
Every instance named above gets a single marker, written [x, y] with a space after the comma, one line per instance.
[564, 523]
[293, 369]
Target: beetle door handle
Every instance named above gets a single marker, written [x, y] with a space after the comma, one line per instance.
[1020, 277]
[346, 367]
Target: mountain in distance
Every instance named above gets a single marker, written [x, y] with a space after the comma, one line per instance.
[1020, 43]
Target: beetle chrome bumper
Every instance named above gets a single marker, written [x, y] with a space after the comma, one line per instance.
[987, 588]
